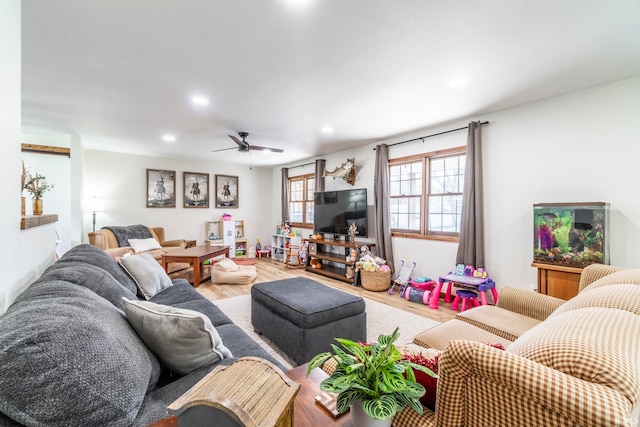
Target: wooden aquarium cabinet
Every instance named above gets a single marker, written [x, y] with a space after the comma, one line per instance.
[558, 281]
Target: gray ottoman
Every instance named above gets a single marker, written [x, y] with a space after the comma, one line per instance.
[303, 317]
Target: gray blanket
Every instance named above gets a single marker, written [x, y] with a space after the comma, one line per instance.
[126, 232]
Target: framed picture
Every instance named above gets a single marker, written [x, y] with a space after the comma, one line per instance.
[226, 191]
[313, 250]
[161, 188]
[196, 190]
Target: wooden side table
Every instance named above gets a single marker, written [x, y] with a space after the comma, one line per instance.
[250, 392]
[307, 411]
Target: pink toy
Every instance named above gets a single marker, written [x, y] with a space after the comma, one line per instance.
[416, 295]
[426, 285]
[469, 300]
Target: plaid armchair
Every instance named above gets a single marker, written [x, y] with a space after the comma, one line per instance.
[575, 363]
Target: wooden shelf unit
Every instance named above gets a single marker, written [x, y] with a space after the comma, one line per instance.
[280, 242]
[228, 233]
[557, 280]
[337, 268]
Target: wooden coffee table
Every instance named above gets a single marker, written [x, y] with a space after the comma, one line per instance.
[195, 256]
[306, 412]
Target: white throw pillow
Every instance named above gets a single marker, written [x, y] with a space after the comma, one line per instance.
[143, 245]
[184, 340]
[226, 264]
[147, 273]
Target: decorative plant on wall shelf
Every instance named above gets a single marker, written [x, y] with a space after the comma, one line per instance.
[36, 185]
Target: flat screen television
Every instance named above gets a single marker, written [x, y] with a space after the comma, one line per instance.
[335, 211]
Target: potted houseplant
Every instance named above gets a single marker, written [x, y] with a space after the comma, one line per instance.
[373, 379]
[36, 185]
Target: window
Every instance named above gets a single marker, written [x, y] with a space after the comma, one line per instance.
[426, 194]
[301, 189]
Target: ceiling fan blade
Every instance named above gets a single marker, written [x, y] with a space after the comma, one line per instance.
[237, 141]
[257, 147]
[224, 149]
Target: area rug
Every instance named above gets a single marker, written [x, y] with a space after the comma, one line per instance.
[381, 319]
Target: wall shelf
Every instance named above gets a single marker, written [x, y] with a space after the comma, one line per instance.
[30, 221]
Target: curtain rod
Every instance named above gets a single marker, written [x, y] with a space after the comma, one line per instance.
[429, 136]
[299, 166]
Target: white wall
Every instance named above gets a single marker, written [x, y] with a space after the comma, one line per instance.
[580, 147]
[121, 179]
[24, 254]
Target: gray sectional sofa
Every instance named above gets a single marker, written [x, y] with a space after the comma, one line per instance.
[69, 356]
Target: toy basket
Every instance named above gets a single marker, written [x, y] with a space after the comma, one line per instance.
[375, 280]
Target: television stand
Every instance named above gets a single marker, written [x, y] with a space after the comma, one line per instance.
[333, 256]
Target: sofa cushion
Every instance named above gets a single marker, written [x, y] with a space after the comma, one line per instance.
[99, 258]
[599, 345]
[69, 357]
[439, 336]
[504, 323]
[90, 277]
[184, 340]
[142, 245]
[147, 273]
[241, 345]
[183, 295]
[626, 276]
[623, 297]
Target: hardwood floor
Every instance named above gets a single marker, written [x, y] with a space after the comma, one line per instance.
[269, 270]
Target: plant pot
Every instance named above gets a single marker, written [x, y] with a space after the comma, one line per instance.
[37, 206]
[359, 418]
[23, 205]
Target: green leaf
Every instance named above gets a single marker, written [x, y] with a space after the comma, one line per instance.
[391, 381]
[423, 369]
[342, 356]
[380, 409]
[317, 361]
[413, 389]
[413, 403]
[357, 350]
[354, 367]
[346, 399]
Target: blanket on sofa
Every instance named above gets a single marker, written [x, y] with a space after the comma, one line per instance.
[126, 232]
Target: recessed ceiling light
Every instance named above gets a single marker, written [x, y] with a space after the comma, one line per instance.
[298, 3]
[327, 129]
[200, 100]
[169, 138]
[459, 82]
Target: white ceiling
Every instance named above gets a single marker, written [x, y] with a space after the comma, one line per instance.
[120, 73]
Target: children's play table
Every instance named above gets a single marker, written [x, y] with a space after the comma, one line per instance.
[477, 283]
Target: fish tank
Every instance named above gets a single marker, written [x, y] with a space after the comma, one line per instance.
[571, 234]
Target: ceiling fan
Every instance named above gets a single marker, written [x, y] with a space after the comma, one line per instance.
[245, 146]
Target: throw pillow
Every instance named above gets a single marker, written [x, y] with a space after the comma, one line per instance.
[147, 273]
[143, 245]
[226, 264]
[184, 340]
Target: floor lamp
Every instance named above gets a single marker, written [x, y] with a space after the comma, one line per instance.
[95, 204]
